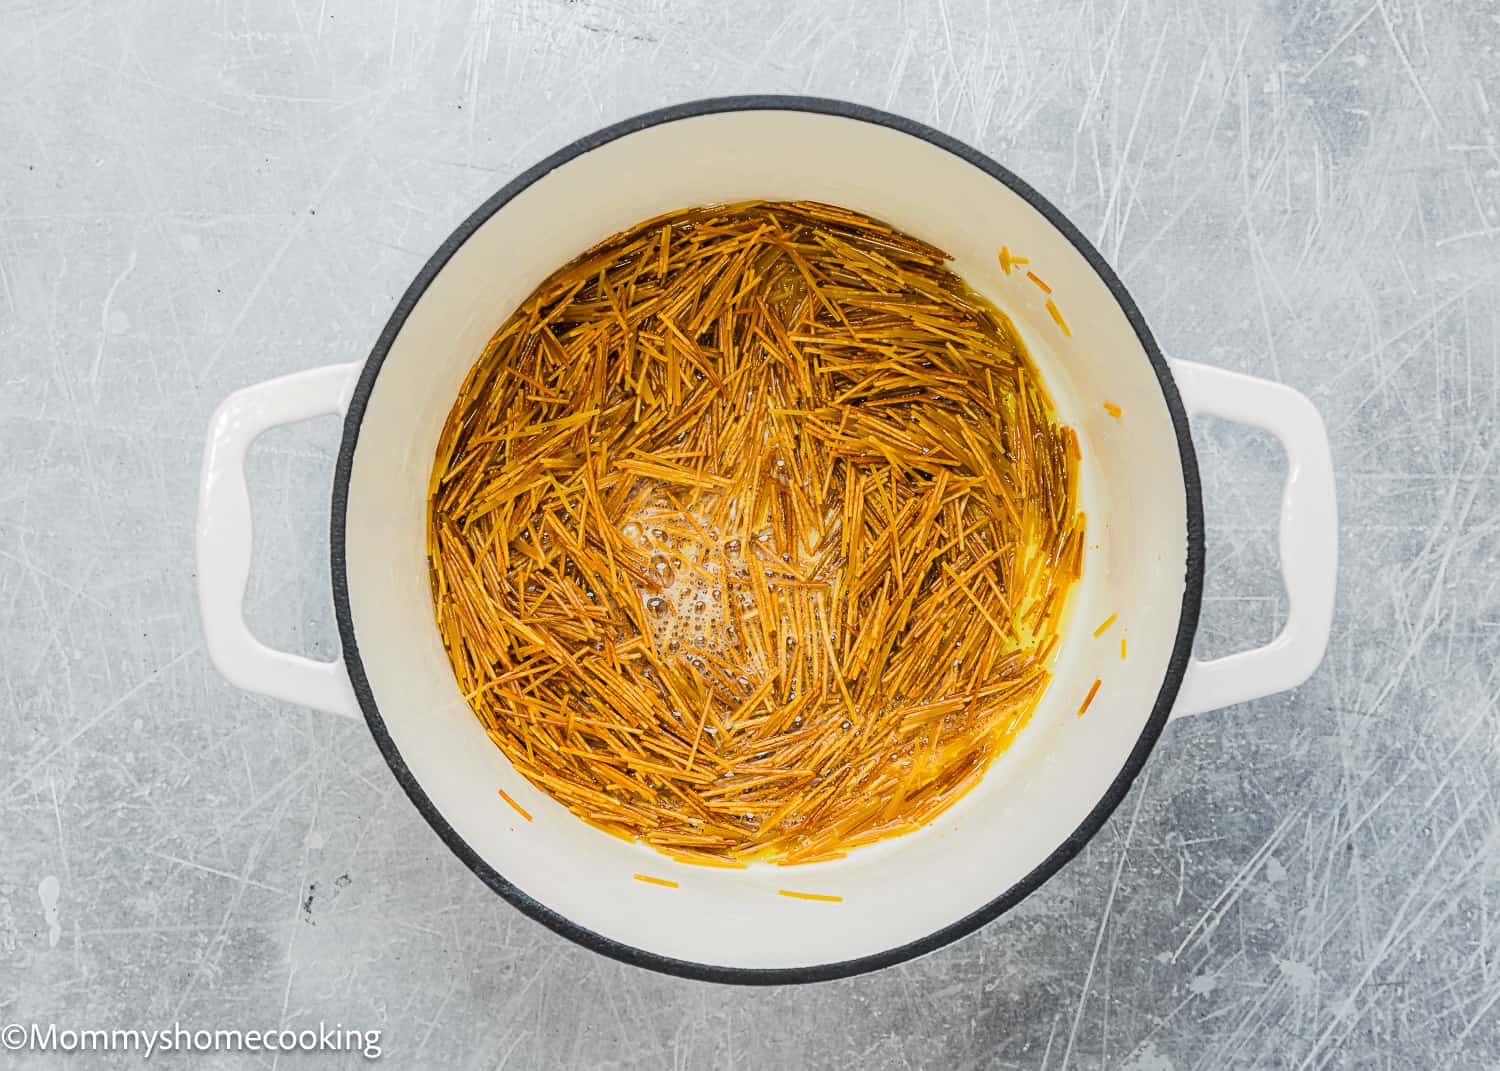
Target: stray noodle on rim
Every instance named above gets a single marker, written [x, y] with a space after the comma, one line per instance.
[750, 532]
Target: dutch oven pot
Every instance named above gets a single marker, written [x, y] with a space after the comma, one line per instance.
[1039, 802]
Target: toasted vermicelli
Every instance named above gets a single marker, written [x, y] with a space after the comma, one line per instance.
[750, 532]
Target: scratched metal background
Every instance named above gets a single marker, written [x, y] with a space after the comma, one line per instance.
[194, 197]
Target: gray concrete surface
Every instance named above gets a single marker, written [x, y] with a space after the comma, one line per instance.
[194, 197]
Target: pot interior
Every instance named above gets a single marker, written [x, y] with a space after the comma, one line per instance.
[1036, 796]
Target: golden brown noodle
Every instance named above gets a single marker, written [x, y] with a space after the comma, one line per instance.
[522, 811]
[1057, 317]
[1088, 699]
[811, 896]
[750, 532]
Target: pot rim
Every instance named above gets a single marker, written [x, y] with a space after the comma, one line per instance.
[1112, 796]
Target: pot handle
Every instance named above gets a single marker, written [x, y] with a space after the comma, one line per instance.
[224, 538]
[1308, 540]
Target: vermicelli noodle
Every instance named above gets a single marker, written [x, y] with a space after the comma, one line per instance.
[750, 532]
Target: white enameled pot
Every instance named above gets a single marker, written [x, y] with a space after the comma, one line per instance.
[1038, 803]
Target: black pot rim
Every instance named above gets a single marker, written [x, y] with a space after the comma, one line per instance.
[1181, 650]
